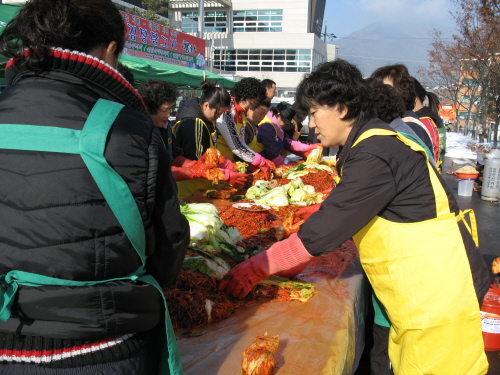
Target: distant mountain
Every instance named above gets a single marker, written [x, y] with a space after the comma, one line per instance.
[382, 44]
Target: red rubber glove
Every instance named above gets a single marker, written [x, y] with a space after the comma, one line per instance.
[196, 170]
[307, 211]
[228, 164]
[234, 179]
[288, 258]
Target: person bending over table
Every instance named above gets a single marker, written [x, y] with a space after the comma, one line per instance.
[420, 257]
[194, 133]
[231, 125]
[276, 142]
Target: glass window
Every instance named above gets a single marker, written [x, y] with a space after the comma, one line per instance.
[279, 69]
[212, 22]
[258, 20]
[288, 69]
[254, 69]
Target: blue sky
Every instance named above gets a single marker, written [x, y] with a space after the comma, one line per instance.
[346, 16]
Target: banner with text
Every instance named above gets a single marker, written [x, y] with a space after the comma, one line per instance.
[153, 41]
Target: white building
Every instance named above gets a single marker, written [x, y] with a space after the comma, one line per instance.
[279, 40]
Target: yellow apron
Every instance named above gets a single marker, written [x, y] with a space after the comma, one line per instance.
[222, 145]
[421, 274]
[254, 144]
[188, 188]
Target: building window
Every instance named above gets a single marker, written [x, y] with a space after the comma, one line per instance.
[266, 60]
[260, 21]
[214, 22]
[469, 82]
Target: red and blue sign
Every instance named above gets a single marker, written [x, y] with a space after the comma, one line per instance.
[152, 41]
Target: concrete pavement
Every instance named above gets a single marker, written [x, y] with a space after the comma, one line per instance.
[488, 220]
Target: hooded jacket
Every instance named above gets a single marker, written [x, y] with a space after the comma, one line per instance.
[193, 132]
[56, 223]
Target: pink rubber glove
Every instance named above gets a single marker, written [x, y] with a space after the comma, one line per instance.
[302, 149]
[234, 178]
[228, 164]
[278, 161]
[288, 258]
[258, 160]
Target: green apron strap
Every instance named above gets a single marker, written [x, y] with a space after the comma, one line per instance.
[39, 138]
[170, 140]
[112, 186]
[170, 362]
[420, 143]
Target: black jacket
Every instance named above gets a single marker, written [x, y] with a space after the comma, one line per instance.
[381, 176]
[55, 221]
[192, 136]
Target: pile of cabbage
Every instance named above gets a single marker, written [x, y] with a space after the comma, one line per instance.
[295, 192]
[212, 240]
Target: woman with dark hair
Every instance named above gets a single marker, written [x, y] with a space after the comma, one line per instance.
[195, 132]
[91, 230]
[426, 116]
[255, 115]
[398, 77]
[276, 143]
[293, 130]
[405, 222]
[231, 125]
[390, 107]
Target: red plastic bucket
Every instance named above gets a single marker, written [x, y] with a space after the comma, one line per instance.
[490, 317]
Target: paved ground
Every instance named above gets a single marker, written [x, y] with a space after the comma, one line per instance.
[488, 220]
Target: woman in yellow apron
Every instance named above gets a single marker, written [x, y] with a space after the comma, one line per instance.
[255, 115]
[414, 243]
[193, 133]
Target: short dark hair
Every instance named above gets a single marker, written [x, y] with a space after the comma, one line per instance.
[402, 82]
[76, 25]
[336, 83]
[268, 83]
[216, 96]
[300, 113]
[433, 102]
[419, 89]
[387, 103]
[285, 111]
[266, 102]
[155, 93]
[249, 88]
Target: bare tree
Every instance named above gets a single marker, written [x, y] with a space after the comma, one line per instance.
[479, 36]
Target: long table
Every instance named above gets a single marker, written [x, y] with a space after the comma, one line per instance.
[323, 336]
